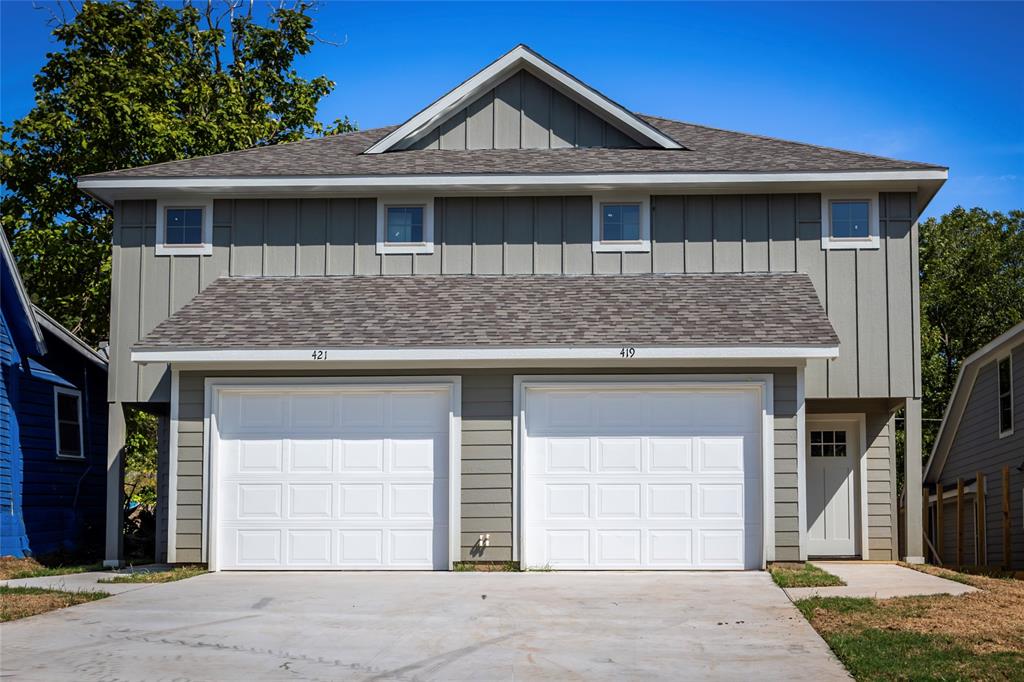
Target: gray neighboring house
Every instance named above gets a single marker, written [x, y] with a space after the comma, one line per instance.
[982, 433]
[525, 325]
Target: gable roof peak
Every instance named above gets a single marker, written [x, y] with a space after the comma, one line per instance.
[522, 57]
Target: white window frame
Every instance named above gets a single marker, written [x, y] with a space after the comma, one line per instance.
[424, 247]
[165, 249]
[77, 395]
[872, 241]
[641, 245]
[1008, 358]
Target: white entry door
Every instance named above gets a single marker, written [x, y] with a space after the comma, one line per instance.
[642, 477]
[332, 478]
[833, 454]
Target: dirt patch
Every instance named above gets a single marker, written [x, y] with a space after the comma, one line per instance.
[990, 620]
[11, 567]
[22, 602]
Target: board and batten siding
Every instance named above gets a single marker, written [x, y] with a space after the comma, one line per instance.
[977, 447]
[523, 112]
[487, 458]
[871, 296]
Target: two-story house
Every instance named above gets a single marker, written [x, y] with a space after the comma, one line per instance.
[525, 325]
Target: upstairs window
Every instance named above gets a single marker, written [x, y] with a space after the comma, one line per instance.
[849, 221]
[68, 417]
[849, 218]
[184, 228]
[1005, 378]
[405, 225]
[622, 223]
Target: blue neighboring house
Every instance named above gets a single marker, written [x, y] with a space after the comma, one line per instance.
[53, 430]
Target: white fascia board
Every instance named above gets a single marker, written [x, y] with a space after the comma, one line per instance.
[498, 181]
[490, 75]
[400, 355]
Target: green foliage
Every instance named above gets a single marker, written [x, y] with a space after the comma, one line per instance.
[135, 83]
[140, 458]
[169, 576]
[836, 604]
[972, 290]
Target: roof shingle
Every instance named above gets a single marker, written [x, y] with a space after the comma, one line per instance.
[673, 310]
[708, 150]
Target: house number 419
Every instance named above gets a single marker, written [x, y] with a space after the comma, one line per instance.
[627, 352]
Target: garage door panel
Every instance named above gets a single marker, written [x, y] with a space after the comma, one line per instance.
[312, 456]
[670, 501]
[348, 484]
[661, 489]
[619, 455]
[617, 501]
[671, 455]
[568, 455]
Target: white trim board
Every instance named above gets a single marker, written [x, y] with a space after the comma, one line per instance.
[582, 182]
[213, 386]
[326, 356]
[517, 58]
[763, 383]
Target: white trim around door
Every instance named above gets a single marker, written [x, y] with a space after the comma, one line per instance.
[761, 384]
[857, 422]
[214, 386]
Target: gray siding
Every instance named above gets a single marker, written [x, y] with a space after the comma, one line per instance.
[523, 112]
[487, 477]
[870, 295]
[978, 447]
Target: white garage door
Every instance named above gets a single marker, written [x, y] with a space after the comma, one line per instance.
[332, 478]
[656, 478]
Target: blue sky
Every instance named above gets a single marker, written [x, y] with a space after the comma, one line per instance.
[935, 82]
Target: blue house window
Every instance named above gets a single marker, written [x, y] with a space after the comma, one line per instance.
[620, 222]
[68, 417]
[850, 219]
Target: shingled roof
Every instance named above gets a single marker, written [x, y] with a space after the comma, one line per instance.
[708, 150]
[772, 310]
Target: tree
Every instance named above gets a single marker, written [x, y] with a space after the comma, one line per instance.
[972, 290]
[135, 83]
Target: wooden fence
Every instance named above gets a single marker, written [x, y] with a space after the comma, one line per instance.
[937, 549]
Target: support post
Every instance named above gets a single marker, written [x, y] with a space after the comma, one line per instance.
[940, 521]
[1006, 518]
[115, 484]
[959, 523]
[979, 504]
[913, 464]
[925, 507]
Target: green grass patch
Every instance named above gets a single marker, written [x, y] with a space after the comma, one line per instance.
[21, 602]
[874, 654]
[803, 575]
[836, 604]
[177, 573]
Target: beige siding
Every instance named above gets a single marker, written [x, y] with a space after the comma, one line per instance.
[869, 295]
[522, 112]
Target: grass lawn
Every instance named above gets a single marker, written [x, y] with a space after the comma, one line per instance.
[12, 568]
[976, 636]
[178, 573]
[802, 575]
[21, 602]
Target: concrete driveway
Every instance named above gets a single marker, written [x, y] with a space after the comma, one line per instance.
[428, 626]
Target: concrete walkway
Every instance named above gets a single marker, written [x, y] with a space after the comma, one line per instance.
[429, 626]
[881, 581]
[87, 582]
